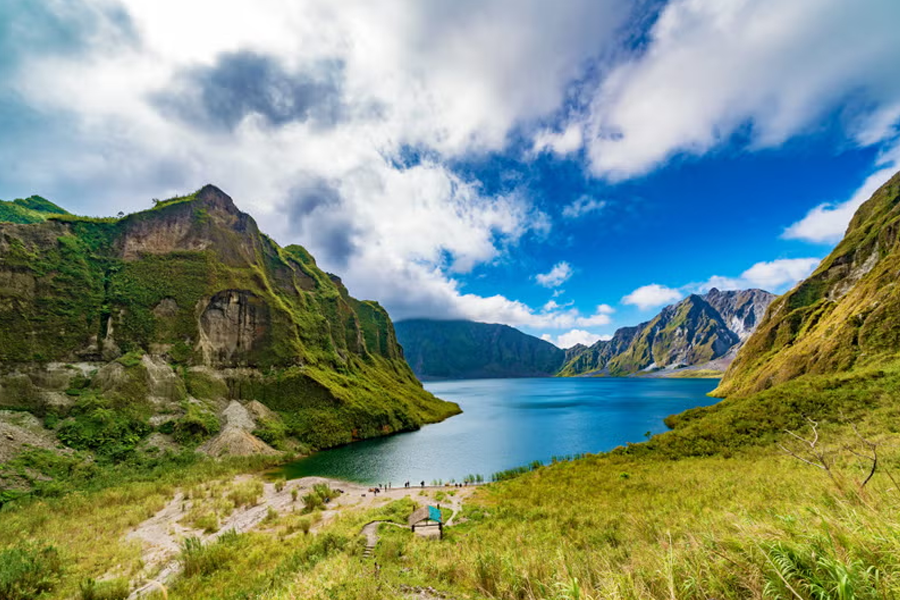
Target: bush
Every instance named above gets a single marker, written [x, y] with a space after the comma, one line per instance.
[320, 495]
[95, 426]
[195, 426]
[312, 501]
[246, 493]
[28, 571]
[272, 432]
[112, 589]
[197, 559]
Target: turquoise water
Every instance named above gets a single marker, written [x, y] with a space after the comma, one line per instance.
[511, 422]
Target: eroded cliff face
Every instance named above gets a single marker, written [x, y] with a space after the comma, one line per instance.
[209, 221]
[180, 310]
[232, 324]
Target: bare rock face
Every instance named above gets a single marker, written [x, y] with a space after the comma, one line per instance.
[235, 441]
[16, 285]
[167, 307]
[39, 387]
[231, 325]
[700, 331]
[260, 412]
[236, 415]
[210, 222]
[742, 310]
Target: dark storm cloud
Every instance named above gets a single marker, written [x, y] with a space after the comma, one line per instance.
[244, 83]
[318, 213]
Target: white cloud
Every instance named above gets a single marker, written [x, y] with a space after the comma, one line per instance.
[558, 275]
[583, 206]
[773, 276]
[826, 223]
[769, 68]
[440, 79]
[574, 337]
[561, 143]
[652, 296]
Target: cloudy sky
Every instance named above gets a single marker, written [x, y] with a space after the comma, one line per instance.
[564, 167]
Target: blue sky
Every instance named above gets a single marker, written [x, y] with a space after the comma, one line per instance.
[565, 168]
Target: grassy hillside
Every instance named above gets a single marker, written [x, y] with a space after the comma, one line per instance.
[33, 209]
[713, 509]
[841, 317]
[786, 491]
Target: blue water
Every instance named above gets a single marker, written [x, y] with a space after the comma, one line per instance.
[510, 422]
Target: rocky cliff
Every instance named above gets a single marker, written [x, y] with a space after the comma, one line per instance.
[842, 316]
[165, 317]
[466, 349]
[693, 333]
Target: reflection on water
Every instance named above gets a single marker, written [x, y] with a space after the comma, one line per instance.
[511, 422]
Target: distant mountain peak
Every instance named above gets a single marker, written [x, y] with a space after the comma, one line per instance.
[694, 331]
[467, 349]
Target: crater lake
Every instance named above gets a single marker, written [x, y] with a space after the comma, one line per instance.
[508, 423]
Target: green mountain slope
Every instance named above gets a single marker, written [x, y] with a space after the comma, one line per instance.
[697, 330]
[28, 210]
[843, 316]
[466, 349]
[164, 317]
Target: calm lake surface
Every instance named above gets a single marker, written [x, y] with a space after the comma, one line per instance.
[511, 422]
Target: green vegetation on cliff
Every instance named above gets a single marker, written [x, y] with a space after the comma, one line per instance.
[783, 490]
[113, 326]
[28, 210]
[843, 316]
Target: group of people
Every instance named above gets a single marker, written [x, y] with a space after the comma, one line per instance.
[386, 486]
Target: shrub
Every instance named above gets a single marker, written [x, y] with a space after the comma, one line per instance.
[112, 589]
[208, 522]
[304, 525]
[195, 426]
[325, 492]
[197, 559]
[27, 571]
[108, 432]
[312, 501]
[318, 497]
[272, 432]
[246, 493]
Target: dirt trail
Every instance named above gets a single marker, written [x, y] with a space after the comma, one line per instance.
[162, 534]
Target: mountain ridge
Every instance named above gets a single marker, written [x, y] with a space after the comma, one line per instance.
[156, 321]
[842, 316]
[458, 349]
[469, 349]
[690, 333]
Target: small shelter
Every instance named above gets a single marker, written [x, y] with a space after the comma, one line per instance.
[427, 516]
